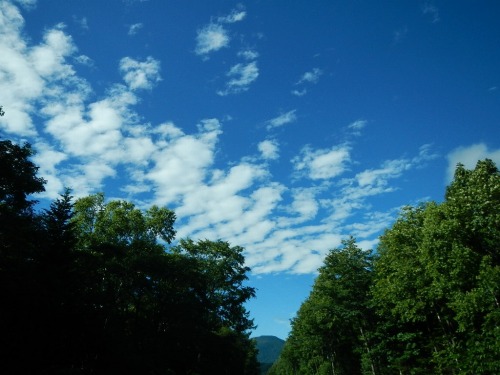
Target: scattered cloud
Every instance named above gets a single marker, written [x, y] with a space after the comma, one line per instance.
[248, 54]
[134, 29]
[356, 127]
[299, 92]
[215, 36]
[240, 78]
[269, 149]
[28, 4]
[84, 140]
[235, 16]
[84, 60]
[211, 38]
[283, 119]
[323, 163]
[310, 77]
[140, 75]
[469, 156]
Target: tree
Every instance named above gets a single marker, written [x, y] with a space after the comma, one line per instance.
[17, 178]
[20, 236]
[330, 332]
[437, 280]
[222, 296]
[179, 309]
[92, 287]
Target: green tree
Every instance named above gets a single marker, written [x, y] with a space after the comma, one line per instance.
[222, 295]
[330, 334]
[91, 287]
[436, 281]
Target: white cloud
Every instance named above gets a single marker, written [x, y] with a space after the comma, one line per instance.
[134, 29]
[84, 60]
[305, 203]
[89, 141]
[310, 77]
[324, 163]
[269, 149]
[211, 38]
[248, 54]
[299, 92]
[379, 177]
[49, 58]
[241, 76]
[47, 159]
[30, 73]
[469, 156]
[140, 75]
[282, 119]
[185, 160]
[27, 3]
[234, 16]
[357, 125]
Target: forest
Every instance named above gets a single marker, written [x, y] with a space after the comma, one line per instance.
[91, 286]
[426, 302]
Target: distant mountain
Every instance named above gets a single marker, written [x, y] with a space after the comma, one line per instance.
[269, 348]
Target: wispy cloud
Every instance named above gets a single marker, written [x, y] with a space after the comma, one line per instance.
[356, 127]
[240, 77]
[134, 29]
[28, 4]
[248, 54]
[82, 22]
[236, 15]
[84, 60]
[310, 77]
[283, 119]
[432, 11]
[299, 92]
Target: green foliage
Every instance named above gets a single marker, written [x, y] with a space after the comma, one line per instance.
[329, 332]
[224, 271]
[90, 287]
[427, 304]
[17, 177]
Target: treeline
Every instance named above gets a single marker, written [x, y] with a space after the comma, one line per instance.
[427, 302]
[93, 287]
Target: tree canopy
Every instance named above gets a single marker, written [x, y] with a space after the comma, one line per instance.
[426, 303]
[93, 286]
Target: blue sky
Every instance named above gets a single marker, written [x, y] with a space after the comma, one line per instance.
[281, 126]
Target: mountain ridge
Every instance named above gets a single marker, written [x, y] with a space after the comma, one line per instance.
[269, 349]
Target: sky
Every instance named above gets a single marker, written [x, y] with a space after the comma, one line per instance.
[281, 126]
